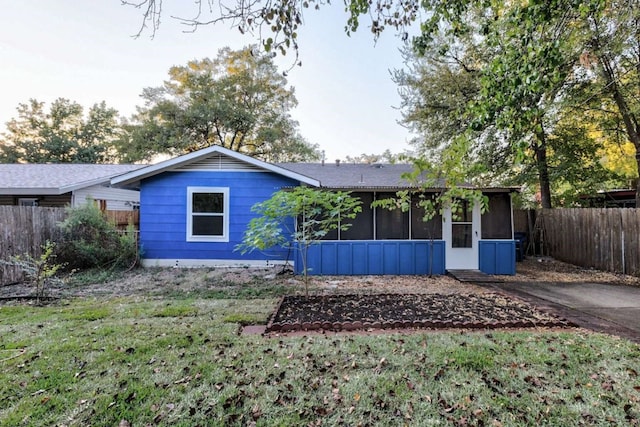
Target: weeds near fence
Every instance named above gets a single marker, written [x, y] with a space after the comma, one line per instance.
[40, 271]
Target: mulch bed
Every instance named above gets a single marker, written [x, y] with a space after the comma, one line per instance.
[400, 311]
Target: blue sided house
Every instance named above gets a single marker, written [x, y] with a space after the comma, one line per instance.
[194, 210]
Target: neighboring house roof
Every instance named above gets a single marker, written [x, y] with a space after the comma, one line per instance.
[55, 179]
[211, 158]
[612, 198]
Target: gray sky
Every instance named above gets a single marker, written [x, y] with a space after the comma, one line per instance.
[84, 51]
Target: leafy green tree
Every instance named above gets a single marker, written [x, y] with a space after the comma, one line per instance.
[539, 54]
[508, 76]
[535, 52]
[612, 52]
[576, 162]
[298, 218]
[437, 88]
[238, 100]
[61, 135]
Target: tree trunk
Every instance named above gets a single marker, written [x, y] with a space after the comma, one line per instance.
[628, 117]
[540, 149]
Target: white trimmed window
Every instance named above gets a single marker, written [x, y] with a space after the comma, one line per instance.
[207, 214]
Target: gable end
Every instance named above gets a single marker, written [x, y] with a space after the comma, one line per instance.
[219, 162]
[204, 159]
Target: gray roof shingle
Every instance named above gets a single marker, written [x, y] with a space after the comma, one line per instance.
[56, 178]
[355, 176]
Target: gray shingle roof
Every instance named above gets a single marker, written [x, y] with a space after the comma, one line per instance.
[56, 178]
[354, 176]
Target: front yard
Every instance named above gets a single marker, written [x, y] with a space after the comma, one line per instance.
[172, 355]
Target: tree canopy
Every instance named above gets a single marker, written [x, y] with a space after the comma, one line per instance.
[547, 78]
[386, 157]
[459, 86]
[522, 69]
[237, 100]
[61, 135]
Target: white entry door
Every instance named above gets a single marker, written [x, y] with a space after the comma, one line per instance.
[461, 233]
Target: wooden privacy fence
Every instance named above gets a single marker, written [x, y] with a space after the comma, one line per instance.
[605, 239]
[122, 219]
[24, 229]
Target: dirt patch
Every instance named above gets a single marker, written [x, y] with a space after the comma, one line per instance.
[269, 282]
[232, 282]
[395, 311]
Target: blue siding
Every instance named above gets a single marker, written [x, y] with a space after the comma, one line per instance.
[498, 256]
[163, 213]
[363, 257]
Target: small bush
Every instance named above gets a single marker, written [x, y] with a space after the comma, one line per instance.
[91, 241]
[40, 271]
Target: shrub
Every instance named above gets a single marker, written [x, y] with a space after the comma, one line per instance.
[90, 240]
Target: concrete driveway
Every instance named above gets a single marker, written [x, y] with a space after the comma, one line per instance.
[608, 308]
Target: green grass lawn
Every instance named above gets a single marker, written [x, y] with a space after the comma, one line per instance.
[176, 360]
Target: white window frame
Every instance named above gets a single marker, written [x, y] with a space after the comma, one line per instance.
[225, 214]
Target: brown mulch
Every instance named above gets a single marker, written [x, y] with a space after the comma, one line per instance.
[397, 311]
[400, 302]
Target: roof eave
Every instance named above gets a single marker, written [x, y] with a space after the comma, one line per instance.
[414, 188]
[85, 184]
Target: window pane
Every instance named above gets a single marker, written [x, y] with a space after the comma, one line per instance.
[207, 226]
[362, 228]
[463, 213]
[496, 223]
[461, 234]
[208, 202]
[391, 224]
[331, 235]
[424, 230]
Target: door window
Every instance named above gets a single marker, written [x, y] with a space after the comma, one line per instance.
[461, 224]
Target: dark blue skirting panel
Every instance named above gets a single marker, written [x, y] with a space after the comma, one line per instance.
[498, 257]
[366, 257]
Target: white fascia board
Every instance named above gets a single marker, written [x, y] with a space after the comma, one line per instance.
[167, 165]
[91, 183]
